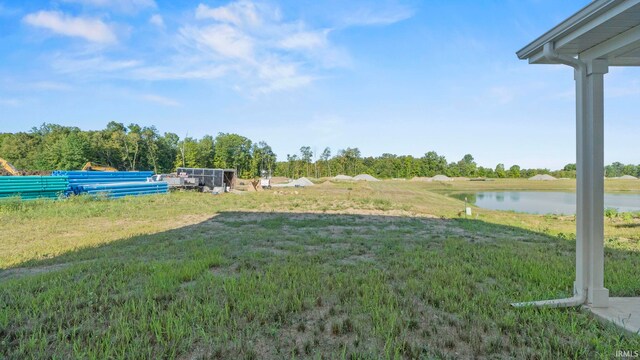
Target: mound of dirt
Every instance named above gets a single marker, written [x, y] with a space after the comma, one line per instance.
[365, 177]
[417, 178]
[627, 177]
[343, 178]
[542, 177]
[302, 182]
[441, 178]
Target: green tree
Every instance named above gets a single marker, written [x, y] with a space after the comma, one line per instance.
[187, 155]
[387, 166]
[350, 158]
[306, 155]
[262, 158]
[326, 154]
[233, 151]
[73, 152]
[616, 169]
[150, 137]
[514, 171]
[433, 164]
[205, 153]
[167, 152]
[467, 166]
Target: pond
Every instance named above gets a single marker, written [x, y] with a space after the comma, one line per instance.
[545, 202]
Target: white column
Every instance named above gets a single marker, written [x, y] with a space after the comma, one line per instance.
[582, 192]
[591, 187]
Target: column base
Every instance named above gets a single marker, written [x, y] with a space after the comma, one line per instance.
[598, 298]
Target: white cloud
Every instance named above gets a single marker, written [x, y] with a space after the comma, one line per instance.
[248, 44]
[160, 100]
[50, 86]
[267, 52]
[22, 84]
[225, 40]
[157, 20]
[240, 13]
[252, 41]
[92, 65]
[90, 29]
[280, 77]
[10, 102]
[369, 16]
[305, 40]
[127, 6]
[180, 72]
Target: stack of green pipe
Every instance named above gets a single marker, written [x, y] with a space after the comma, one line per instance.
[32, 187]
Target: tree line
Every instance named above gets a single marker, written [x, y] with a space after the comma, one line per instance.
[387, 166]
[136, 147]
[131, 148]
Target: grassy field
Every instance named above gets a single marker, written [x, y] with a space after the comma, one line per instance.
[345, 270]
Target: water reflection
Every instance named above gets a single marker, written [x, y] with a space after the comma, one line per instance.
[545, 202]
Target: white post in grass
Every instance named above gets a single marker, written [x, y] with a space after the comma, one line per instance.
[590, 183]
[604, 33]
[591, 168]
[580, 286]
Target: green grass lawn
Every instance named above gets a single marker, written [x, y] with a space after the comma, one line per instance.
[346, 270]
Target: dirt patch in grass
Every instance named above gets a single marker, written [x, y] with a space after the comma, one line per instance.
[354, 259]
[312, 214]
[270, 250]
[321, 329]
[225, 271]
[30, 271]
[313, 249]
[188, 284]
[200, 352]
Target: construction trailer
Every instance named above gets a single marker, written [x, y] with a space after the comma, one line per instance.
[214, 180]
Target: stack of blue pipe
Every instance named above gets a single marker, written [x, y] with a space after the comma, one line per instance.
[113, 184]
[32, 187]
[118, 190]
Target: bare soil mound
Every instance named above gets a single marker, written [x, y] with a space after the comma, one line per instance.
[343, 178]
[365, 177]
[542, 177]
[442, 178]
[302, 182]
[418, 178]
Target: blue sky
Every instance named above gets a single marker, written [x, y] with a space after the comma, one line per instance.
[392, 76]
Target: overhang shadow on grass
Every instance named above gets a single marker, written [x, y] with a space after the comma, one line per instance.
[225, 229]
[241, 235]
